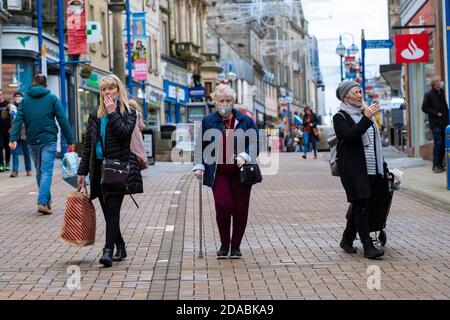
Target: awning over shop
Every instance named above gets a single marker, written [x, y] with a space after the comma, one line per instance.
[392, 73]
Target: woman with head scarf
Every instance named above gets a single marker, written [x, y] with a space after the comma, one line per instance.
[234, 136]
[360, 162]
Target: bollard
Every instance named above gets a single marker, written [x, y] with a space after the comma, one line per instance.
[447, 154]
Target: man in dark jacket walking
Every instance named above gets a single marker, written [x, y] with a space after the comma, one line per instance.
[435, 105]
[38, 111]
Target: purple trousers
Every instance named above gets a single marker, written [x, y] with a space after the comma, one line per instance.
[231, 199]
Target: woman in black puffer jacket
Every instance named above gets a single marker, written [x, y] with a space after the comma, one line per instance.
[113, 122]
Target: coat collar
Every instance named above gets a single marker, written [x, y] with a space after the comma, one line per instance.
[239, 116]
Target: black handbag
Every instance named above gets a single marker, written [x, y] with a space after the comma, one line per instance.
[250, 174]
[114, 173]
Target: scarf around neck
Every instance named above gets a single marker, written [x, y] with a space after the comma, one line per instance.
[356, 114]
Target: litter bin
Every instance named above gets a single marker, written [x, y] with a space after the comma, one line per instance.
[149, 144]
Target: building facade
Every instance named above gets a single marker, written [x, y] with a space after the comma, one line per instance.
[417, 76]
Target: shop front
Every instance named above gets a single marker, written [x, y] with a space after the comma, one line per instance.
[154, 100]
[419, 82]
[19, 58]
[175, 102]
[20, 62]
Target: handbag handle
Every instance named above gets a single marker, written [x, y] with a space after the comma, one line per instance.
[82, 188]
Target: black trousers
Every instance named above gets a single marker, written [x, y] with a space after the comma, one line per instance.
[358, 221]
[4, 144]
[111, 205]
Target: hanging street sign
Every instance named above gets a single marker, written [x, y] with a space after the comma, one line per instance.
[379, 44]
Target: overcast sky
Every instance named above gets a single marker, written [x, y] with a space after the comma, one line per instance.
[328, 18]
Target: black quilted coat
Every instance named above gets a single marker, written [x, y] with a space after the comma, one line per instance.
[117, 146]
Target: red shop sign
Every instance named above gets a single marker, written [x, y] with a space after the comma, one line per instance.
[412, 48]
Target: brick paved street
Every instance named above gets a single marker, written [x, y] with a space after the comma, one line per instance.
[291, 247]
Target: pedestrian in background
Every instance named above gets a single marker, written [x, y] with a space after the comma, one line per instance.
[11, 113]
[5, 126]
[310, 123]
[108, 136]
[38, 111]
[360, 162]
[231, 198]
[435, 105]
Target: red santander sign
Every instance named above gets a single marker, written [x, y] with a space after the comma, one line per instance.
[412, 48]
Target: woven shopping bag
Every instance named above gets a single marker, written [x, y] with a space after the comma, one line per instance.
[79, 219]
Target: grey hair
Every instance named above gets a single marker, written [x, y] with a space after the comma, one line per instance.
[435, 79]
[223, 90]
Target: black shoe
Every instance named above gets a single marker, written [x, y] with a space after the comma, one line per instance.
[223, 252]
[121, 253]
[347, 245]
[107, 257]
[235, 253]
[303, 156]
[370, 251]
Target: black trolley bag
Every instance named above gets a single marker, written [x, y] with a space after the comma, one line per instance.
[380, 206]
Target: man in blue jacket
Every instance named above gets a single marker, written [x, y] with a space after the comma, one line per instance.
[38, 111]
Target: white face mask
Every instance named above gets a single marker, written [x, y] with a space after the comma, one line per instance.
[18, 100]
[225, 110]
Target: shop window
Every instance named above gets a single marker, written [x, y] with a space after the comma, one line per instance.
[153, 118]
[170, 111]
[88, 101]
[183, 114]
[16, 77]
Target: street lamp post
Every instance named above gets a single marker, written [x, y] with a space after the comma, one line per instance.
[342, 50]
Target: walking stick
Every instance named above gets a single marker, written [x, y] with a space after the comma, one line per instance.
[200, 187]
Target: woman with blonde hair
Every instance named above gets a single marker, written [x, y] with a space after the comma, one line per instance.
[108, 137]
[221, 171]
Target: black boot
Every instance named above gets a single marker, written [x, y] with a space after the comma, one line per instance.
[121, 253]
[223, 252]
[107, 257]
[347, 244]
[370, 251]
